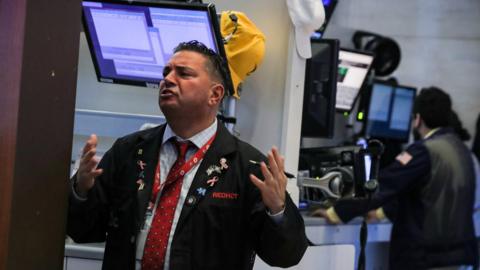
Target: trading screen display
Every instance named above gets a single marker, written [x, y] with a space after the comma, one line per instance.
[390, 110]
[132, 43]
[353, 68]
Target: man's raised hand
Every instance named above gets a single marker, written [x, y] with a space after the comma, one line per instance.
[87, 170]
[273, 188]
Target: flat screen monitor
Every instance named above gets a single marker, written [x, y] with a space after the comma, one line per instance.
[390, 111]
[131, 42]
[320, 89]
[353, 68]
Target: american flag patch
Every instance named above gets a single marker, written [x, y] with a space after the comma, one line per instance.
[404, 158]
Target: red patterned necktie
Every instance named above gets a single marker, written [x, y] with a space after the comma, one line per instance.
[157, 239]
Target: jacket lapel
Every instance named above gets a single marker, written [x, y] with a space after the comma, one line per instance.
[146, 152]
[222, 146]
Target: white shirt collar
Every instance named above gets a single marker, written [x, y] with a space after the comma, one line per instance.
[431, 132]
[198, 139]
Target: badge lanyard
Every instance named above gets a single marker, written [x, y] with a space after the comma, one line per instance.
[142, 236]
[192, 162]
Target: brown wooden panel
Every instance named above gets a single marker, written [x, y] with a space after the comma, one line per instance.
[38, 71]
[11, 38]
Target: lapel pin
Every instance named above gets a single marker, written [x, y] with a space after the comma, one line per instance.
[212, 181]
[191, 200]
[201, 191]
[151, 205]
[223, 164]
[141, 184]
[210, 170]
[141, 163]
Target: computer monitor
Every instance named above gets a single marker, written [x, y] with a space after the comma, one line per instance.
[390, 111]
[353, 68]
[320, 89]
[131, 42]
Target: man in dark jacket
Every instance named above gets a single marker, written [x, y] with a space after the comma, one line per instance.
[433, 184]
[203, 207]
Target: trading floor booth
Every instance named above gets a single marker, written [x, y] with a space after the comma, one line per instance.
[337, 84]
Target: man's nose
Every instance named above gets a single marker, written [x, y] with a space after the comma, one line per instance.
[168, 81]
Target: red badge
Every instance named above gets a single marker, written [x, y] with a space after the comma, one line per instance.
[225, 195]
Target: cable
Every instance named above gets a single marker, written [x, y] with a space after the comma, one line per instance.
[376, 148]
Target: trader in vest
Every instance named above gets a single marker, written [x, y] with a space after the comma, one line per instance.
[433, 186]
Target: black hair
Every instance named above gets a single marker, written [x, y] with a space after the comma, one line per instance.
[456, 124]
[476, 139]
[434, 107]
[216, 65]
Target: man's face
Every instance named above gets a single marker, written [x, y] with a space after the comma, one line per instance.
[187, 86]
[415, 127]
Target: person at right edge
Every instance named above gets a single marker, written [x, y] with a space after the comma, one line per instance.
[433, 183]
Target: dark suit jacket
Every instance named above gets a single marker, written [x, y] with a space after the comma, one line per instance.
[219, 230]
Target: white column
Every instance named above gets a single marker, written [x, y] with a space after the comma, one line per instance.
[292, 113]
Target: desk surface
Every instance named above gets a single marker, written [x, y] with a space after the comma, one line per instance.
[317, 230]
[319, 257]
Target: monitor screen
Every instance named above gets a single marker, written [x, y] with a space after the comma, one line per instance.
[353, 68]
[390, 110]
[320, 89]
[131, 42]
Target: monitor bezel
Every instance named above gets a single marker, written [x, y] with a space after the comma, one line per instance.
[334, 44]
[212, 14]
[342, 110]
[367, 111]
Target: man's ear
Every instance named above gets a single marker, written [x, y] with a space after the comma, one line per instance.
[417, 120]
[216, 94]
